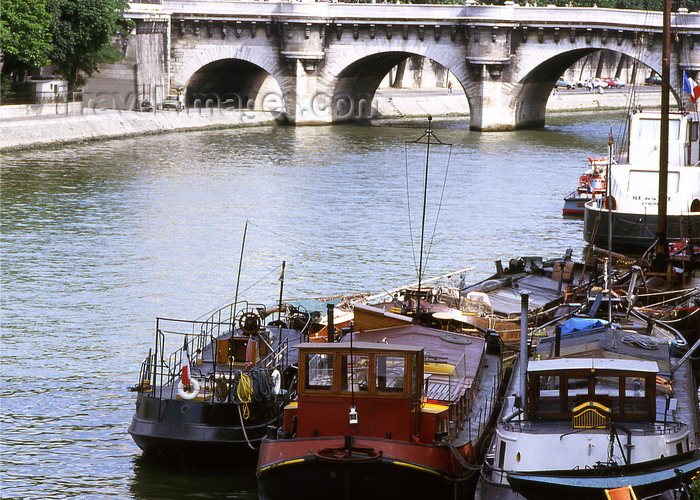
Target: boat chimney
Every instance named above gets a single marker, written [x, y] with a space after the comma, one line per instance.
[524, 296]
[330, 325]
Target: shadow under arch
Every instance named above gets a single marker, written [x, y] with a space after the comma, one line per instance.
[356, 85]
[234, 84]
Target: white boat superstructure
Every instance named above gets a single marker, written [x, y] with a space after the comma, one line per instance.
[583, 413]
[644, 139]
[634, 185]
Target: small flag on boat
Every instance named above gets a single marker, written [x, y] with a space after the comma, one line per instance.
[690, 87]
[186, 380]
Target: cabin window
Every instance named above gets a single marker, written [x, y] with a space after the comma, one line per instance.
[635, 396]
[694, 131]
[577, 392]
[390, 373]
[607, 392]
[319, 372]
[674, 130]
[548, 399]
[355, 374]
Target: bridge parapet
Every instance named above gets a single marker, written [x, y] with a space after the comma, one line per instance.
[507, 58]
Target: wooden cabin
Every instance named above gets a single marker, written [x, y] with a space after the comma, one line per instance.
[369, 390]
[572, 388]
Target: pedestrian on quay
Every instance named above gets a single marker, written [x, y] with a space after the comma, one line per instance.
[449, 88]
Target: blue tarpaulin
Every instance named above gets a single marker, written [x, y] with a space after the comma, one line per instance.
[579, 324]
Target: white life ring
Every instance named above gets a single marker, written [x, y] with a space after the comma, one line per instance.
[188, 395]
[276, 382]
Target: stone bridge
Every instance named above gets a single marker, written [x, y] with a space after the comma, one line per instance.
[318, 63]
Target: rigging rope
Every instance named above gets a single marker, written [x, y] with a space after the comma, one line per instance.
[408, 198]
[442, 195]
[245, 434]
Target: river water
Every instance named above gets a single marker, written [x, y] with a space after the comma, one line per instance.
[98, 239]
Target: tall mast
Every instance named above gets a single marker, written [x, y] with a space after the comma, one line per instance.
[608, 264]
[428, 133]
[661, 245]
[238, 279]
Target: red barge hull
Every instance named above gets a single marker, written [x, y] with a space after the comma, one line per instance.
[324, 468]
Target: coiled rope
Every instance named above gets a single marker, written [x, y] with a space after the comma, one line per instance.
[262, 386]
[244, 391]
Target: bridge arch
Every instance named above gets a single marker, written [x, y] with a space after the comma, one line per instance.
[537, 74]
[352, 78]
[227, 75]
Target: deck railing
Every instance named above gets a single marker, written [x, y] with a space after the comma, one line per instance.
[659, 428]
[163, 365]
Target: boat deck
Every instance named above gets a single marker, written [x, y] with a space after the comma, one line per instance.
[543, 290]
[477, 426]
[211, 363]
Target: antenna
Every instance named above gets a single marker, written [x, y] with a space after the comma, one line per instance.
[279, 307]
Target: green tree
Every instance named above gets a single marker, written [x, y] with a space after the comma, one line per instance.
[83, 32]
[24, 29]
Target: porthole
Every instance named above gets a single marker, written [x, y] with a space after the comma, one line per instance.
[517, 457]
[185, 409]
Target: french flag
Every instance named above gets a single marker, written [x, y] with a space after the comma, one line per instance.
[186, 373]
[690, 87]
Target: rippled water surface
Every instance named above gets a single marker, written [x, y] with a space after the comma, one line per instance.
[98, 239]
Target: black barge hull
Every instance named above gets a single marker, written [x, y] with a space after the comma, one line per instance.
[634, 233]
[199, 429]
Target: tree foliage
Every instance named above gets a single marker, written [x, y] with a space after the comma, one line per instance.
[24, 29]
[83, 31]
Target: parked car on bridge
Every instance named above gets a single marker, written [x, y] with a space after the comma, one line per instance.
[564, 83]
[615, 83]
[599, 83]
[592, 84]
[653, 80]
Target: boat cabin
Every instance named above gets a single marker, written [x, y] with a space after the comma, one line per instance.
[683, 139]
[369, 389]
[592, 391]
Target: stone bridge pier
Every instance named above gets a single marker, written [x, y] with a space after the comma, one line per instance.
[320, 63]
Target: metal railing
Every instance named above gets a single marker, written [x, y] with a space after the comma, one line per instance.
[161, 370]
[41, 97]
[659, 428]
